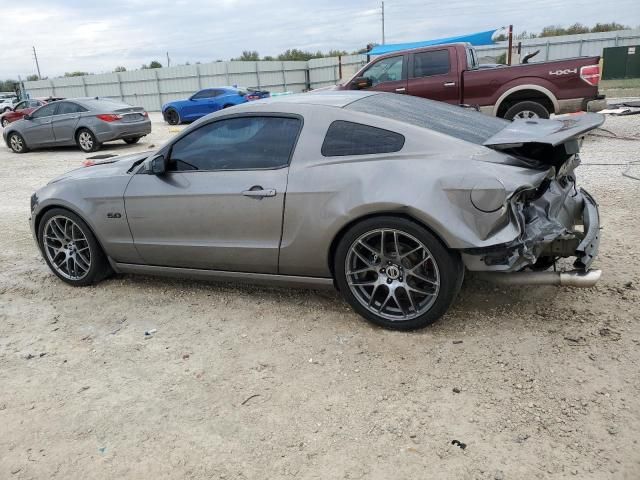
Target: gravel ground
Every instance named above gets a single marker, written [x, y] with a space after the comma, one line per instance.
[245, 382]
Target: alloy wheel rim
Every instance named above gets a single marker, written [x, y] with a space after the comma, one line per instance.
[392, 274]
[67, 248]
[16, 143]
[526, 114]
[86, 142]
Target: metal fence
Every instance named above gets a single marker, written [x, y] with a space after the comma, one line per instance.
[566, 46]
[151, 88]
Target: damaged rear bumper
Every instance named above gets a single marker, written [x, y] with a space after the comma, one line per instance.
[562, 222]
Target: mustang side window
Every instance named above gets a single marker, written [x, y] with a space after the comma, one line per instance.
[241, 143]
[348, 138]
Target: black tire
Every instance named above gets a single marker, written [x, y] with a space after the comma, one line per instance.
[6, 110]
[99, 268]
[87, 141]
[172, 116]
[132, 140]
[17, 143]
[526, 109]
[5, 122]
[449, 265]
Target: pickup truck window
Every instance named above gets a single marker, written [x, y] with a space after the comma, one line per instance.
[426, 64]
[386, 70]
[471, 59]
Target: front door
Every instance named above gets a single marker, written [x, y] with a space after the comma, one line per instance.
[220, 207]
[431, 75]
[388, 74]
[37, 130]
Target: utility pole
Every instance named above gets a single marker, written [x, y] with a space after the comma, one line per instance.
[382, 23]
[35, 55]
[168, 60]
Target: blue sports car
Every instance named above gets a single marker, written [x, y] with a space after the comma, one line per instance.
[208, 101]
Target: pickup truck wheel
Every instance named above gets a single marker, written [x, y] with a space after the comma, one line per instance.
[527, 109]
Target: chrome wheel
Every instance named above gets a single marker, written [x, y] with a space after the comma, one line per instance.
[85, 139]
[17, 143]
[392, 274]
[526, 114]
[5, 122]
[67, 248]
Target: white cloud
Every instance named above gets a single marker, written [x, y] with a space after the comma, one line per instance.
[74, 35]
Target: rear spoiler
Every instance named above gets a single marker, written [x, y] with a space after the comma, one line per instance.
[554, 132]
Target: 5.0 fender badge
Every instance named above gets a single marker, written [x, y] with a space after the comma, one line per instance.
[114, 215]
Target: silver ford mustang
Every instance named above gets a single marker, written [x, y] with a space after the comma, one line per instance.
[389, 198]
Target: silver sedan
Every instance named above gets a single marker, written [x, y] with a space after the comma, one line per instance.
[85, 122]
[387, 197]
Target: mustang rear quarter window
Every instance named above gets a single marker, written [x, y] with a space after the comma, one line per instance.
[463, 123]
[348, 138]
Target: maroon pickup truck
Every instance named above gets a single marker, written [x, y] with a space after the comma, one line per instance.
[451, 73]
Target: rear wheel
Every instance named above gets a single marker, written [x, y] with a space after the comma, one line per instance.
[87, 141]
[5, 122]
[172, 117]
[70, 248]
[132, 140]
[396, 274]
[528, 109]
[17, 143]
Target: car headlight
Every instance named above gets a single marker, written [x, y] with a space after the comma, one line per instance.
[488, 195]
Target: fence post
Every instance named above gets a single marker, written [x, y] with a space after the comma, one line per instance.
[546, 55]
[84, 86]
[199, 77]
[284, 77]
[226, 73]
[53, 88]
[258, 75]
[120, 87]
[158, 89]
[580, 48]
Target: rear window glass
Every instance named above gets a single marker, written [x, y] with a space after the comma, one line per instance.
[462, 123]
[348, 138]
[426, 64]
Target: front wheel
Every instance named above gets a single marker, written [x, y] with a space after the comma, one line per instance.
[527, 110]
[5, 122]
[396, 274]
[70, 248]
[172, 117]
[17, 143]
[87, 141]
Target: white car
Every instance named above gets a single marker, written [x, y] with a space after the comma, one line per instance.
[6, 104]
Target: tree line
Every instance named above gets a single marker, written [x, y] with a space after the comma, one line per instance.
[559, 30]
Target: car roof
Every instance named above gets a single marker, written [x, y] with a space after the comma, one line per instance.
[328, 98]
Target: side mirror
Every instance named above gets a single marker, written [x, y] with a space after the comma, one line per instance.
[27, 117]
[159, 165]
[361, 82]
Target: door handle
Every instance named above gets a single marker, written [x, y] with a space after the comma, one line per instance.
[449, 84]
[258, 192]
[401, 90]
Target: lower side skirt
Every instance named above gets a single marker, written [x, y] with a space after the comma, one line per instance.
[223, 276]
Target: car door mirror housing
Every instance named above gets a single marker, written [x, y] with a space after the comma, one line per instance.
[361, 82]
[158, 165]
[27, 117]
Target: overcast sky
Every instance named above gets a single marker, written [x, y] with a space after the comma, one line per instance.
[96, 37]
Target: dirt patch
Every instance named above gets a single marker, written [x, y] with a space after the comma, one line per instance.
[244, 382]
